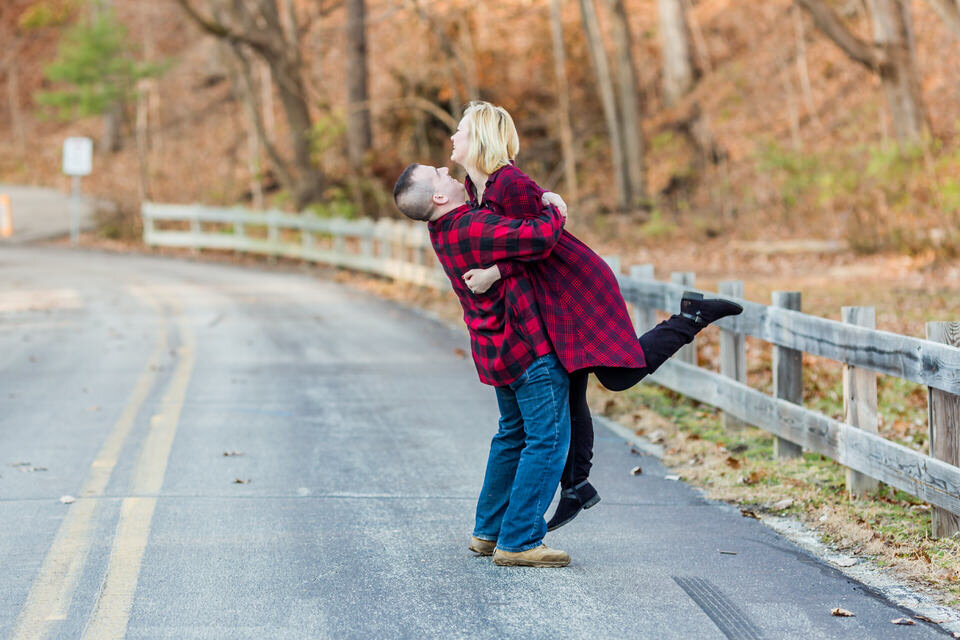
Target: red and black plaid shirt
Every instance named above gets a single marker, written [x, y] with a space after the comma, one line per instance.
[576, 291]
[506, 331]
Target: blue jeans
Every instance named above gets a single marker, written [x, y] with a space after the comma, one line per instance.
[526, 457]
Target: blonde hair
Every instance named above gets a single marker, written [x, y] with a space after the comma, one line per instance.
[494, 142]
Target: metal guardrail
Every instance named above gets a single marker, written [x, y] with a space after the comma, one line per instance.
[401, 250]
[393, 248]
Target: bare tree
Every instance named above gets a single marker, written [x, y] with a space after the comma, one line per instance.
[598, 56]
[563, 104]
[949, 12]
[629, 102]
[891, 56]
[678, 71]
[257, 27]
[359, 133]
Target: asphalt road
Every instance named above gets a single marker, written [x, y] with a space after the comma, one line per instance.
[363, 435]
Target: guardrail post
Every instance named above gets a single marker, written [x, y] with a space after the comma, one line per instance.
[944, 423]
[733, 350]
[148, 224]
[644, 319]
[686, 279]
[614, 263]
[195, 229]
[860, 398]
[238, 229]
[787, 374]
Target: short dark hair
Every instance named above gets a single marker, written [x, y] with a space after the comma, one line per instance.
[414, 199]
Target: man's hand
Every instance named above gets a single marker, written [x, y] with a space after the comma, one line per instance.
[549, 197]
[479, 280]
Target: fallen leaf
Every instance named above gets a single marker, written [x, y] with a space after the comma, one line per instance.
[845, 562]
[902, 621]
[926, 619]
[636, 471]
[67, 499]
[733, 462]
[843, 613]
[636, 450]
[746, 513]
[656, 436]
[783, 504]
[671, 477]
[738, 448]
[460, 353]
[239, 481]
[693, 436]
[729, 553]
[956, 634]
[231, 454]
[608, 407]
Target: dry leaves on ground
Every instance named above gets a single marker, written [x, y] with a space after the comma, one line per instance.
[843, 613]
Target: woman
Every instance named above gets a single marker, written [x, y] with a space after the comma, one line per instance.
[577, 294]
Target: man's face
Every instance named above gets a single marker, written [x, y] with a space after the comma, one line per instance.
[441, 183]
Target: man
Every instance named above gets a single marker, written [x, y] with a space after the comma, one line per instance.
[512, 352]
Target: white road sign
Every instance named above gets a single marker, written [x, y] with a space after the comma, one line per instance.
[77, 156]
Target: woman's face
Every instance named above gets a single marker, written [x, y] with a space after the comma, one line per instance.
[461, 142]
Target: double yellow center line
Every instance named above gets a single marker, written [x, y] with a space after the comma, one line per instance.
[52, 591]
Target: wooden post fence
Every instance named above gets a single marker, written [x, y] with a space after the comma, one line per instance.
[944, 424]
[860, 398]
[787, 375]
[733, 350]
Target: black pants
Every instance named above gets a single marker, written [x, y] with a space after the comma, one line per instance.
[658, 345]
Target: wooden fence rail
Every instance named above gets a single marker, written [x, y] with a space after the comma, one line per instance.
[399, 249]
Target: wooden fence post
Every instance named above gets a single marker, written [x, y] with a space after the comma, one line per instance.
[686, 279]
[733, 350]
[644, 318]
[860, 398]
[787, 374]
[943, 415]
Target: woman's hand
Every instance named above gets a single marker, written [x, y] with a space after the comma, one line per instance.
[549, 197]
[479, 280]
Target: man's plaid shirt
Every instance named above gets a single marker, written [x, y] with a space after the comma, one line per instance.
[506, 331]
[576, 291]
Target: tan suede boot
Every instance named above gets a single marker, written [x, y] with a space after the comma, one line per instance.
[482, 547]
[542, 556]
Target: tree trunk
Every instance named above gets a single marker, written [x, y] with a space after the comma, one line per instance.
[13, 99]
[949, 12]
[598, 56]
[893, 30]
[272, 37]
[675, 50]
[891, 56]
[110, 139]
[629, 103]
[359, 136]
[563, 105]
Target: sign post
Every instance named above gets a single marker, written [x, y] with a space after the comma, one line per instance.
[77, 162]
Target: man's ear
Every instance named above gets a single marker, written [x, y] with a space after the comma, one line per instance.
[440, 199]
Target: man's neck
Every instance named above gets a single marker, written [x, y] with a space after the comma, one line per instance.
[447, 208]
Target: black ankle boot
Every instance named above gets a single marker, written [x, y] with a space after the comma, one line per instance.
[572, 501]
[702, 312]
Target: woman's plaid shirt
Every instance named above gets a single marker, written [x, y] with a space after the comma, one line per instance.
[506, 331]
[577, 293]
